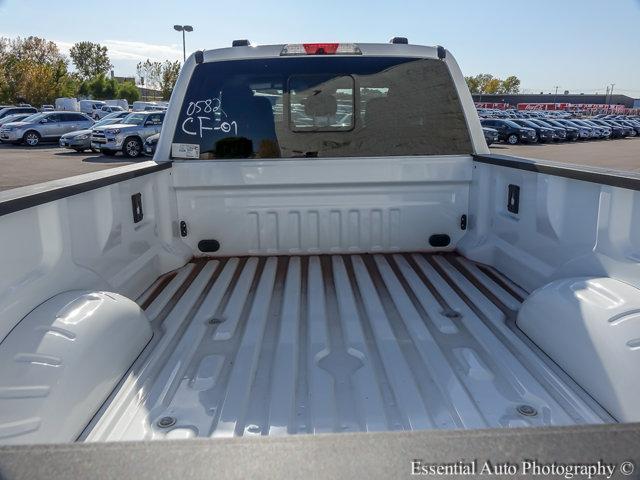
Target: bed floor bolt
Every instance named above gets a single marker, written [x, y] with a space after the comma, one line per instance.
[527, 410]
[166, 422]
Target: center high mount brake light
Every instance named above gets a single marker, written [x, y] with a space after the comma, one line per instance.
[321, 49]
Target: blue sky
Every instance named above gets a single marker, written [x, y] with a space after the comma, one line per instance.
[578, 45]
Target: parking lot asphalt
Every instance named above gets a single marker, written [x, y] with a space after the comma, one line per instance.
[20, 166]
[621, 154]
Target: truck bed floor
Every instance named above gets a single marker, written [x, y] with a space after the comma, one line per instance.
[336, 343]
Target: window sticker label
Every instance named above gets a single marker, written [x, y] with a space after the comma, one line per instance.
[185, 150]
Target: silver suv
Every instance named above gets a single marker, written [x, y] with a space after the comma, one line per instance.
[43, 126]
[127, 136]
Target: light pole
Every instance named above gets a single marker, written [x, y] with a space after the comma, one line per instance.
[183, 28]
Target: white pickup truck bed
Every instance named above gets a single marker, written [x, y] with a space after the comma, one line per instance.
[287, 345]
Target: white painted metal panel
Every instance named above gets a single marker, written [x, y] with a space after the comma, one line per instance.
[341, 343]
[565, 228]
[591, 328]
[61, 362]
[323, 205]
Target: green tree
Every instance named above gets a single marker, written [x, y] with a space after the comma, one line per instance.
[168, 78]
[110, 88]
[67, 87]
[129, 91]
[487, 83]
[510, 84]
[479, 83]
[4, 87]
[90, 59]
[492, 86]
[83, 89]
[35, 49]
[32, 70]
[472, 83]
[98, 87]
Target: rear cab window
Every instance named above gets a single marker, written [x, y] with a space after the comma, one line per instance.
[321, 107]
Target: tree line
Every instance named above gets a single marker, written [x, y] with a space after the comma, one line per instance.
[486, 83]
[34, 71]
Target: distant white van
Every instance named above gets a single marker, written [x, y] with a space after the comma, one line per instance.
[67, 104]
[118, 102]
[90, 106]
[140, 106]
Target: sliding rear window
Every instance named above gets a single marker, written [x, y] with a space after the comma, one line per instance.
[321, 107]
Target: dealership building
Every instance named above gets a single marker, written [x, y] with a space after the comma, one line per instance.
[574, 99]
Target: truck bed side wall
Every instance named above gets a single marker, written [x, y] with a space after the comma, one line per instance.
[86, 241]
[565, 226]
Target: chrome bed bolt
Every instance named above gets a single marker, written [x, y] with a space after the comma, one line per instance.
[166, 422]
[527, 410]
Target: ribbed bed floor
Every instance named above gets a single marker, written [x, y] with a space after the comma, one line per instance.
[340, 343]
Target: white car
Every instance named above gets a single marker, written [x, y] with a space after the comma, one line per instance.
[43, 127]
[106, 110]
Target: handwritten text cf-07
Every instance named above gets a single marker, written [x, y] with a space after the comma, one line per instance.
[213, 118]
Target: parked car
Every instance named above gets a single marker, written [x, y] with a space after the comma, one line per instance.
[150, 144]
[617, 131]
[598, 131]
[633, 125]
[43, 126]
[117, 115]
[13, 110]
[119, 102]
[628, 131]
[559, 134]
[490, 135]
[80, 140]
[571, 133]
[511, 132]
[89, 107]
[543, 134]
[106, 110]
[16, 117]
[128, 136]
[141, 106]
[67, 104]
[585, 132]
[47, 108]
[604, 130]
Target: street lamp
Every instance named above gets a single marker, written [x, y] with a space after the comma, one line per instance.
[183, 28]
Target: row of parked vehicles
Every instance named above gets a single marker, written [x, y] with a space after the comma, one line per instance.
[547, 127]
[132, 133]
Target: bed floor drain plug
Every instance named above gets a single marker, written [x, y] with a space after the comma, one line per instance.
[166, 422]
[527, 410]
[215, 320]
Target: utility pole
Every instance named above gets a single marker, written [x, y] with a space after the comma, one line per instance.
[555, 95]
[611, 93]
[606, 96]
